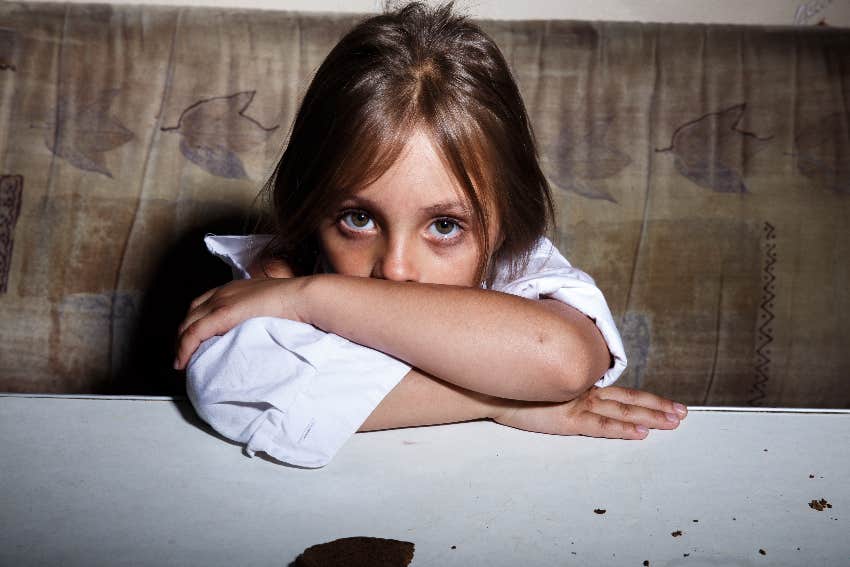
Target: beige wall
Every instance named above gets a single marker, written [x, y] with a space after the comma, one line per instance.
[772, 12]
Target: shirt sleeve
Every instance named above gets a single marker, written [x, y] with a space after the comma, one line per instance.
[283, 387]
[288, 389]
[549, 274]
[237, 251]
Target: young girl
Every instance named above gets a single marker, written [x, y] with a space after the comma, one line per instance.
[407, 281]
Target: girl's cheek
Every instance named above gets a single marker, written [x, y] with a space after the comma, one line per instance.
[458, 268]
[348, 259]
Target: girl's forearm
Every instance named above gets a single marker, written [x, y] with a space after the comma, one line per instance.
[612, 412]
[484, 341]
[420, 399]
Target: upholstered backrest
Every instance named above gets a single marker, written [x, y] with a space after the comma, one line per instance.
[701, 174]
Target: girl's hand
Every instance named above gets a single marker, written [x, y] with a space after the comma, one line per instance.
[222, 308]
[612, 412]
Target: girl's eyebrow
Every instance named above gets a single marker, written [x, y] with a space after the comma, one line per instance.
[454, 208]
[446, 208]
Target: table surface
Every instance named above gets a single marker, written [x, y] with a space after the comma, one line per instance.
[142, 481]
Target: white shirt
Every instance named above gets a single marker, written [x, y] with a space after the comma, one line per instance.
[298, 393]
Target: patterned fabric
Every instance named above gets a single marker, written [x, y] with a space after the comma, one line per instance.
[702, 174]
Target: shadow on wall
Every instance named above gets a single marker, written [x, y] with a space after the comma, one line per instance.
[184, 272]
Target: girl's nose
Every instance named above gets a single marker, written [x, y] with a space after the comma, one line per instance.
[397, 264]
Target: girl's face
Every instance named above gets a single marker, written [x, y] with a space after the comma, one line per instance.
[412, 224]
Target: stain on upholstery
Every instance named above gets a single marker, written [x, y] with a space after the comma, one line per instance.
[7, 50]
[823, 152]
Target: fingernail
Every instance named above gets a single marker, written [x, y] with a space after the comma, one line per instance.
[641, 429]
[671, 417]
[680, 409]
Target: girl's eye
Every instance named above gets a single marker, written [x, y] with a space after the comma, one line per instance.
[445, 228]
[358, 220]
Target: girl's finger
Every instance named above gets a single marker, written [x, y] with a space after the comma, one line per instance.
[202, 298]
[195, 311]
[641, 398]
[194, 314]
[196, 332]
[633, 414]
[594, 425]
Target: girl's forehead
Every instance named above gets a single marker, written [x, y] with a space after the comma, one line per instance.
[419, 175]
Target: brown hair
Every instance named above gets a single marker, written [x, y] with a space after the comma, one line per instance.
[413, 67]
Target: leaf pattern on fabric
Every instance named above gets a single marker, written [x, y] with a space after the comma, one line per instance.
[217, 160]
[823, 152]
[81, 135]
[213, 131]
[583, 157]
[711, 150]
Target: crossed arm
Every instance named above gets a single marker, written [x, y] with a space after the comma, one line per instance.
[534, 371]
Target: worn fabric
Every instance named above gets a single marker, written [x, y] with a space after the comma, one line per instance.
[700, 173]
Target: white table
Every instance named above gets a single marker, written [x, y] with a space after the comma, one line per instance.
[141, 481]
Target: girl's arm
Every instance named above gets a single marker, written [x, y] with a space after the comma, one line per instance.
[613, 412]
[421, 399]
[485, 341]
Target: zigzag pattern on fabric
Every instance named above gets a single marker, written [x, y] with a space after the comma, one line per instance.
[765, 331]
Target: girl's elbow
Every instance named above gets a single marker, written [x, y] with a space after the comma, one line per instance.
[574, 381]
[575, 353]
[575, 370]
